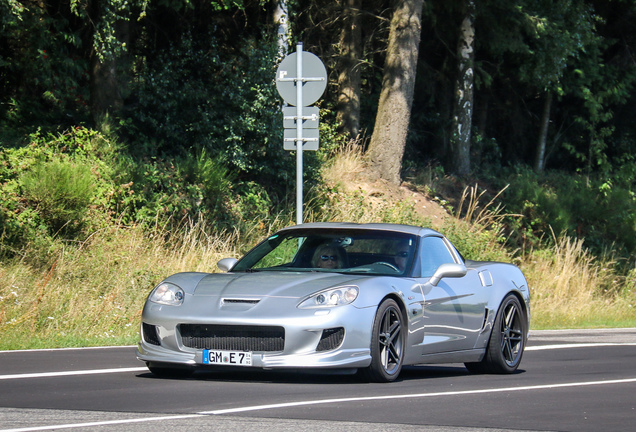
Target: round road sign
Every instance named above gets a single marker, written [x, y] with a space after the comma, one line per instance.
[314, 78]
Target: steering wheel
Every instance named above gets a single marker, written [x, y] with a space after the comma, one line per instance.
[389, 265]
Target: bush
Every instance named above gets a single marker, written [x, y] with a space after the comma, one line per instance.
[162, 189]
[60, 191]
[54, 185]
[602, 213]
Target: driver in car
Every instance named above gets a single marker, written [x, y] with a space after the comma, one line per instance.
[327, 257]
[401, 256]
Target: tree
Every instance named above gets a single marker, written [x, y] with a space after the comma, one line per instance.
[530, 54]
[349, 75]
[463, 109]
[539, 160]
[559, 33]
[43, 63]
[281, 19]
[108, 59]
[388, 141]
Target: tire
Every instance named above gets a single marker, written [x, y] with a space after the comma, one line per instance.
[388, 340]
[507, 340]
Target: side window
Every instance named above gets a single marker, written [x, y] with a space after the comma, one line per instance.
[433, 253]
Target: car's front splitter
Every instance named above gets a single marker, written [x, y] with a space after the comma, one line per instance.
[340, 358]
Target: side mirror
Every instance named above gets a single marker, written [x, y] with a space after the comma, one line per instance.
[448, 270]
[226, 264]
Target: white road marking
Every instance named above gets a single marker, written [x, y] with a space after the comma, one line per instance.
[321, 402]
[67, 349]
[414, 396]
[102, 423]
[71, 373]
[143, 368]
[576, 345]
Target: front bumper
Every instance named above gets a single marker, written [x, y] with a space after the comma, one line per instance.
[303, 330]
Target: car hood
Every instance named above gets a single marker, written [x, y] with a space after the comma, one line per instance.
[269, 284]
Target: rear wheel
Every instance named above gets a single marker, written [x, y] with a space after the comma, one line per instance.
[387, 343]
[507, 340]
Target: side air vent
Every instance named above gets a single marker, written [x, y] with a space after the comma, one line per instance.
[483, 325]
[150, 334]
[331, 339]
[486, 278]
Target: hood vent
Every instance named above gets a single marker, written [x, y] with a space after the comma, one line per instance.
[240, 301]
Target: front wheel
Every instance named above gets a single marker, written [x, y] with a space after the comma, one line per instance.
[507, 340]
[387, 343]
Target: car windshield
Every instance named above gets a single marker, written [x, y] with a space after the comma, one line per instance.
[333, 250]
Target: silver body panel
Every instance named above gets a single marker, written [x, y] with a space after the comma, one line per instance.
[447, 322]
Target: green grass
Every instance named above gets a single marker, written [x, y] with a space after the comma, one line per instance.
[66, 341]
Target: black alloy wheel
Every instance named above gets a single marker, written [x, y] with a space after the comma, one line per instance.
[507, 340]
[387, 343]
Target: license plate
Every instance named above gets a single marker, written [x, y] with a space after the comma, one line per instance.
[230, 358]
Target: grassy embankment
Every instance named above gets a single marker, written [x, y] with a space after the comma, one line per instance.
[93, 292]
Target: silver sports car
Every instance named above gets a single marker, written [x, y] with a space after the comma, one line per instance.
[341, 297]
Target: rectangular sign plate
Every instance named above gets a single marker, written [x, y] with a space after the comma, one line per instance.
[289, 117]
[311, 137]
[228, 358]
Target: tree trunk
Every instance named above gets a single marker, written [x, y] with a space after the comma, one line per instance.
[281, 19]
[348, 111]
[539, 160]
[394, 108]
[108, 80]
[106, 98]
[463, 110]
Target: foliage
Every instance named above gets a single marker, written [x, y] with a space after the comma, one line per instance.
[200, 139]
[603, 212]
[69, 185]
[43, 67]
[54, 185]
[196, 97]
[54, 306]
[164, 188]
[60, 191]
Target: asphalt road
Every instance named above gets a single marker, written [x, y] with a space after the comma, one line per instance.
[582, 380]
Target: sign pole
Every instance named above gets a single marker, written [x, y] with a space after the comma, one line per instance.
[300, 92]
[299, 134]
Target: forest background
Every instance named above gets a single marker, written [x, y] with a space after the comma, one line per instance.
[139, 138]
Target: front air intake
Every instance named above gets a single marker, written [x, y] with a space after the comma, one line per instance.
[233, 338]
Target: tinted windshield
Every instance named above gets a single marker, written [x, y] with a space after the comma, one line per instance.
[330, 250]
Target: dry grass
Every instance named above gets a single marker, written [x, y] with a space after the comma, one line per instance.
[571, 288]
[482, 217]
[350, 194]
[346, 164]
[94, 293]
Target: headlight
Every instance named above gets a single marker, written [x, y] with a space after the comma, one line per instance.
[332, 297]
[168, 294]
